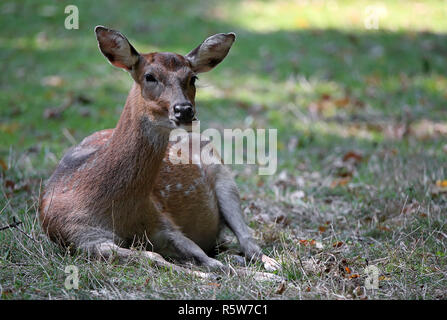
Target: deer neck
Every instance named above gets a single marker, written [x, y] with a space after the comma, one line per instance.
[138, 145]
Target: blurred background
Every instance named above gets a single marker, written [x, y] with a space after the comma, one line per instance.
[356, 89]
[322, 72]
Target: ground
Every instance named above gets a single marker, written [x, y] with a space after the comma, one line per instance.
[361, 116]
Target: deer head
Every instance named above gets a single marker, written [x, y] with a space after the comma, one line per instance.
[165, 81]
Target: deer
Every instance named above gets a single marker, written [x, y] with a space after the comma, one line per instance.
[117, 187]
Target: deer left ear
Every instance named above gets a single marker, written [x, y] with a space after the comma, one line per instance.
[211, 52]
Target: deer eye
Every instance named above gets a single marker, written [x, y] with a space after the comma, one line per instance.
[193, 80]
[150, 78]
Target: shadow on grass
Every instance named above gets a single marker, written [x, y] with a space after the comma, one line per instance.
[385, 70]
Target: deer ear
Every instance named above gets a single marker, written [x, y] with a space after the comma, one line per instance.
[116, 48]
[211, 52]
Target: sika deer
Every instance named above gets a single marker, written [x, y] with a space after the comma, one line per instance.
[118, 187]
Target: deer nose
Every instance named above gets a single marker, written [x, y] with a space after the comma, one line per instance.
[184, 112]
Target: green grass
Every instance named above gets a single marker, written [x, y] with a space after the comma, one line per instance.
[310, 70]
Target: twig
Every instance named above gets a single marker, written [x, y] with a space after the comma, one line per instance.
[14, 224]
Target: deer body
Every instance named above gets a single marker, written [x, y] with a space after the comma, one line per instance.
[117, 188]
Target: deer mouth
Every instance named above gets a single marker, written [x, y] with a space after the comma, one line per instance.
[187, 126]
[174, 122]
[177, 123]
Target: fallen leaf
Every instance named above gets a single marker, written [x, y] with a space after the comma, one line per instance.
[9, 127]
[439, 187]
[3, 165]
[297, 195]
[322, 229]
[9, 184]
[304, 242]
[281, 288]
[426, 129]
[340, 182]
[214, 284]
[343, 102]
[354, 276]
[281, 219]
[441, 183]
[337, 244]
[360, 292]
[348, 271]
[53, 81]
[353, 156]
[311, 242]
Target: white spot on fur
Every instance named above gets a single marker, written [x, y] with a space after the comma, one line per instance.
[179, 186]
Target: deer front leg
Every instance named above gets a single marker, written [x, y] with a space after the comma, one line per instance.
[180, 246]
[230, 209]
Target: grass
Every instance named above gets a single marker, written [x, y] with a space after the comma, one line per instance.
[361, 117]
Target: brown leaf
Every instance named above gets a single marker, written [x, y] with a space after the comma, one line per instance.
[281, 219]
[343, 102]
[214, 284]
[3, 165]
[340, 182]
[9, 184]
[337, 244]
[307, 242]
[281, 288]
[384, 228]
[353, 156]
[9, 127]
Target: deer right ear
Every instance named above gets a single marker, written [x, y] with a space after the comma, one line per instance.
[116, 48]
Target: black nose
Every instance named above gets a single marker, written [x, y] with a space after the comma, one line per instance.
[184, 112]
